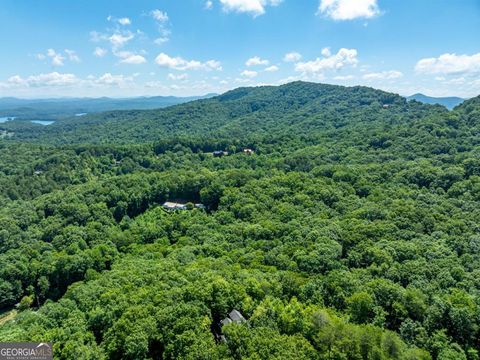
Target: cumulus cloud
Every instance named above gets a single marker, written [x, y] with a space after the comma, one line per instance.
[50, 79]
[208, 4]
[342, 58]
[159, 15]
[348, 9]
[100, 52]
[254, 61]
[57, 58]
[178, 63]
[253, 7]
[161, 18]
[384, 75]
[272, 68]
[249, 74]
[111, 80]
[177, 77]
[448, 64]
[292, 57]
[72, 55]
[124, 21]
[118, 40]
[344, 77]
[133, 59]
[161, 40]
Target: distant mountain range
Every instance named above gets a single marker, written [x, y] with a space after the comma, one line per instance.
[66, 107]
[448, 102]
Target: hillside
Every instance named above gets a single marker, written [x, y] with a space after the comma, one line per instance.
[299, 108]
[350, 232]
[448, 102]
[69, 107]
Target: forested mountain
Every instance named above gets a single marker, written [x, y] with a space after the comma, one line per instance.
[448, 102]
[68, 107]
[351, 232]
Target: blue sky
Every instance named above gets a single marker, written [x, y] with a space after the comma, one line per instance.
[119, 48]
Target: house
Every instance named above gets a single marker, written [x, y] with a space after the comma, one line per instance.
[171, 206]
[248, 151]
[38, 172]
[219, 153]
[234, 317]
[386, 106]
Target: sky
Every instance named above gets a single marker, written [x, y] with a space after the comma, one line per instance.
[125, 48]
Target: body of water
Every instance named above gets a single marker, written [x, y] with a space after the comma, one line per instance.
[7, 118]
[42, 122]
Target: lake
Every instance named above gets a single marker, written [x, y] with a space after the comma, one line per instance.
[42, 122]
[7, 118]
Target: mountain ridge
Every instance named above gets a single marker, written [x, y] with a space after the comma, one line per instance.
[449, 102]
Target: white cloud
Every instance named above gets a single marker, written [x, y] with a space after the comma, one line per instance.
[112, 80]
[292, 57]
[162, 22]
[124, 21]
[134, 59]
[50, 79]
[159, 15]
[344, 77]
[95, 36]
[72, 55]
[254, 61]
[208, 4]
[341, 59]
[161, 40]
[326, 52]
[249, 74]
[40, 56]
[57, 58]
[118, 40]
[254, 7]
[178, 63]
[100, 52]
[448, 64]
[348, 9]
[177, 77]
[272, 68]
[129, 57]
[384, 75]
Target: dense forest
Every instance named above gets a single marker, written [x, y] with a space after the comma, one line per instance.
[350, 231]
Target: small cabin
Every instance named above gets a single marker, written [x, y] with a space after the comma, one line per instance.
[234, 316]
[219, 153]
[172, 206]
[248, 151]
[38, 172]
[386, 106]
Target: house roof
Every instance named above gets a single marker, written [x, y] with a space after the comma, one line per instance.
[226, 321]
[236, 316]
